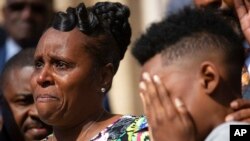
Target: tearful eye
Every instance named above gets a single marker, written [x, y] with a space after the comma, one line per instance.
[61, 65]
[38, 64]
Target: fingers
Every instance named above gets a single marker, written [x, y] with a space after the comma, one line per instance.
[157, 112]
[180, 106]
[148, 109]
[164, 97]
[242, 115]
[157, 99]
[143, 102]
[240, 104]
[151, 90]
[240, 8]
[164, 116]
[246, 120]
[184, 114]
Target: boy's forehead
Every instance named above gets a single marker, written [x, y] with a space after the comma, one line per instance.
[153, 65]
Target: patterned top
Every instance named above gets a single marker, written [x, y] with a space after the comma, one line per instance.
[126, 128]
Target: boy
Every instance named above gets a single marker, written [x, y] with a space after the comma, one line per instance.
[195, 59]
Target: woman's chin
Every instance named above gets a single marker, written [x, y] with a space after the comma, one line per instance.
[47, 113]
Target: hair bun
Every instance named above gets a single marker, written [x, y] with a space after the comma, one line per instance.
[87, 21]
[115, 16]
[79, 16]
[64, 21]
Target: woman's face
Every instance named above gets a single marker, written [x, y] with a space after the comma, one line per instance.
[63, 82]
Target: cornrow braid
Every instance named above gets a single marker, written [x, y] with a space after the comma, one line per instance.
[114, 17]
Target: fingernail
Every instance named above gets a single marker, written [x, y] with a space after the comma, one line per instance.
[178, 103]
[229, 118]
[156, 79]
[234, 104]
[142, 86]
[140, 93]
[146, 76]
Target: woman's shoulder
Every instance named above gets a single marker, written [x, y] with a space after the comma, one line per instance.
[126, 128]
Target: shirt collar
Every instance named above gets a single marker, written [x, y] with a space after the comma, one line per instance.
[12, 48]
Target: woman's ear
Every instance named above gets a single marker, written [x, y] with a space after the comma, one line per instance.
[209, 76]
[107, 75]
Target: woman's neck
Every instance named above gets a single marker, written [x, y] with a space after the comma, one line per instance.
[85, 130]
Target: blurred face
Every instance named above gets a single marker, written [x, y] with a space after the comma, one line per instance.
[17, 92]
[216, 4]
[63, 81]
[25, 20]
[224, 8]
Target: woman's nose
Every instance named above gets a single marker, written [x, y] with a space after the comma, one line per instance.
[44, 78]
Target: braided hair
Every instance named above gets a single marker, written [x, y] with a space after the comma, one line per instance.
[106, 19]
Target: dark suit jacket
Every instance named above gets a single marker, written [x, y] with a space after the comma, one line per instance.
[2, 48]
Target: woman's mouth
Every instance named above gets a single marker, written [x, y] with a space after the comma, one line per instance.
[46, 98]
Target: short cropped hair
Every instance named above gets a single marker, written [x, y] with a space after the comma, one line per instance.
[189, 32]
[24, 58]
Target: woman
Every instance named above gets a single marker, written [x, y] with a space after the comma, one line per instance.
[75, 62]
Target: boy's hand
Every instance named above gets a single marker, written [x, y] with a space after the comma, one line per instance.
[168, 120]
[242, 108]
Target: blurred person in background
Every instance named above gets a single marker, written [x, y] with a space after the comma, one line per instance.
[24, 23]
[20, 117]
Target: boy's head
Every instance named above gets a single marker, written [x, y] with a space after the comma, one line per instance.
[199, 59]
[16, 89]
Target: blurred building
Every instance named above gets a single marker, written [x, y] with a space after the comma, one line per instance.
[124, 97]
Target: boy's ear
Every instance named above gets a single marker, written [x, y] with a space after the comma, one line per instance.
[209, 76]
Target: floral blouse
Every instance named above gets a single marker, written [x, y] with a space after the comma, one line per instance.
[126, 128]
